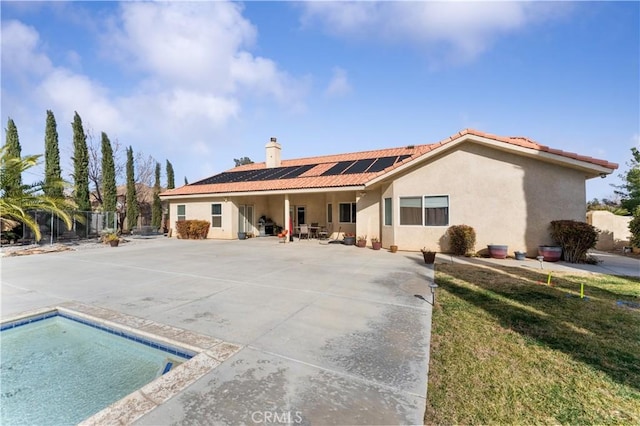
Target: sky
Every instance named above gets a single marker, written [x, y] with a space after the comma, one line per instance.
[202, 83]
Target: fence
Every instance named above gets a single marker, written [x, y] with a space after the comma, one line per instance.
[85, 225]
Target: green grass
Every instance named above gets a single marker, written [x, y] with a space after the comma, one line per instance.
[508, 349]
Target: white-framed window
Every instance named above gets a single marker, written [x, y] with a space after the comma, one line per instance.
[436, 210]
[182, 212]
[430, 210]
[347, 212]
[388, 212]
[329, 213]
[216, 215]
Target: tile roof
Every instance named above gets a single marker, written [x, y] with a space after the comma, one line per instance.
[313, 178]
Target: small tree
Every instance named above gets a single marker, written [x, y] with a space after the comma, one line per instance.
[630, 189]
[52, 172]
[156, 209]
[12, 176]
[109, 189]
[576, 238]
[242, 161]
[131, 198]
[170, 176]
[80, 166]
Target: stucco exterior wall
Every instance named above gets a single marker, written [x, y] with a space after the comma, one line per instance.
[200, 209]
[507, 198]
[613, 229]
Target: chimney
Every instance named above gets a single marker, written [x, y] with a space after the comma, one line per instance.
[273, 153]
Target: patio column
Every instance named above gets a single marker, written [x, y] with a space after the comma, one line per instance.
[287, 218]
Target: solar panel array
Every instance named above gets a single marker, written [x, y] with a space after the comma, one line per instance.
[257, 175]
[369, 165]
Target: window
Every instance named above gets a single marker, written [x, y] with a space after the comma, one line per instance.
[348, 212]
[410, 211]
[182, 212]
[216, 215]
[329, 213]
[436, 211]
[388, 212]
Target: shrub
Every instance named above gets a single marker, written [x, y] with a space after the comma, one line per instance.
[193, 229]
[634, 227]
[576, 238]
[462, 239]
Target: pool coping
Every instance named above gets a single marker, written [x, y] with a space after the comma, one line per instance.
[209, 353]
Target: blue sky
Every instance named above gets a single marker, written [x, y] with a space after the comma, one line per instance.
[201, 83]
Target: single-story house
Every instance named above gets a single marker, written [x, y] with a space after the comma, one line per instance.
[507, 188]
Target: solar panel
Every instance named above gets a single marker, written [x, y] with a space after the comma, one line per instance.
[338, 168]
[359, 166]
[382, 163]
[403, 157]
[257, 175]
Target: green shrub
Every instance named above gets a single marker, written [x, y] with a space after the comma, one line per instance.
[575, 238]
[634, 227]
[192, 229]
[462, 239]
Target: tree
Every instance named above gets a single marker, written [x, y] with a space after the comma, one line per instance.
[242, 161]
[16, 203]
[634, 227]
[630, 189]
[80, 166]
[52, 171]
[156, 209]
[131, 198]
[12, 177]
[170, 176]
[96, 157]
[109, 191]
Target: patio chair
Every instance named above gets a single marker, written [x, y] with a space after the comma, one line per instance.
[283, 236]
[313, 230]
[303, 230]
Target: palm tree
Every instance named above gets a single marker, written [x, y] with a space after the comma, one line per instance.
[16, 203]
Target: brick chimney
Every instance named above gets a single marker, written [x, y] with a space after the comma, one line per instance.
[273, 149]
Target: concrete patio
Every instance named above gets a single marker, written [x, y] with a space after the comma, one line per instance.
[331, 334]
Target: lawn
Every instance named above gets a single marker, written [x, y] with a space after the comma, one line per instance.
[506, 348]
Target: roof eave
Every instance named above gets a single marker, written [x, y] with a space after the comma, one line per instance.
[266, 192]
[592, 170]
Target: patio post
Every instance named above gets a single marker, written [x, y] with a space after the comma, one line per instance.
[287, 218]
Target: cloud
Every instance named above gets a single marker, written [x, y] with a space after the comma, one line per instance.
[454, 31]
[339, 84]
[170, 80]
[20, 50]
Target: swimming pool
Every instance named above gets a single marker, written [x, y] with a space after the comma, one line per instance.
[60, 367]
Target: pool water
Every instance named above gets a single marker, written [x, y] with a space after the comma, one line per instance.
[58, 371]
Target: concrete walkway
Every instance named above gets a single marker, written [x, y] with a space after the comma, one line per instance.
[608, 263]
[331, 334]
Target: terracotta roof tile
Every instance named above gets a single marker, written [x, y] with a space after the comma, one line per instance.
[313, 178]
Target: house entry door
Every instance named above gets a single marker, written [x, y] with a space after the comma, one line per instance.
[300, 215]
[245, 218]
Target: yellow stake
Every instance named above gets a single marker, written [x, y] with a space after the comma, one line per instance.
[581, 290]
[549, 279]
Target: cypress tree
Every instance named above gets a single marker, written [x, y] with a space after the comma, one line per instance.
[80, 166]
[109, 191]
[156, 209]
[170, 177]
[52, 171]
[132, 199]
[12, 176]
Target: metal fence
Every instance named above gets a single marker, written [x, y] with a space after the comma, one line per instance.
[85, 225]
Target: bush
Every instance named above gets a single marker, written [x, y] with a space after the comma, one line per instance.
[576, 238]
[634, 227]
[462, 239]
[193, 229]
